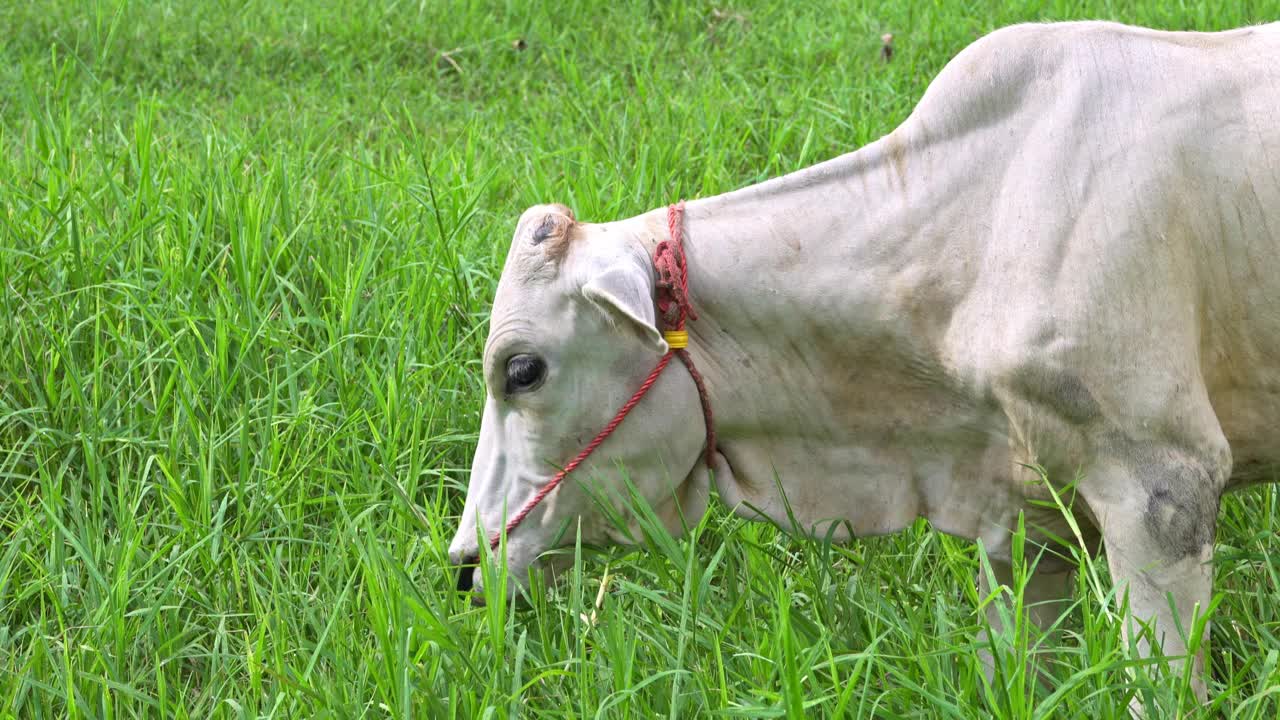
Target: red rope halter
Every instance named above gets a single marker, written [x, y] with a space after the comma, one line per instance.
[673, 304]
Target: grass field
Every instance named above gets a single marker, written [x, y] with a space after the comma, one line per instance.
[248, 251]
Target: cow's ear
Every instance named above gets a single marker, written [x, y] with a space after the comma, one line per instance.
[624, 291]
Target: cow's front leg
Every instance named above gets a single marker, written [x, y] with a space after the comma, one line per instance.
[1157, 508]
[1046, 596]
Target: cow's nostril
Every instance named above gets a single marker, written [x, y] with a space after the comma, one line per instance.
[466, 572]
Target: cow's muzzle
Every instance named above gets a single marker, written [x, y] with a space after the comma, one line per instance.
[467, 572]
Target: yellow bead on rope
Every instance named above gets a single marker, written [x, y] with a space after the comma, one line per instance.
[677, 339]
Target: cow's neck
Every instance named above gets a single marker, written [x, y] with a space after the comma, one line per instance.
[824, 300]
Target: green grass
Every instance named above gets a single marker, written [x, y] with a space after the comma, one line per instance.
[247, 253]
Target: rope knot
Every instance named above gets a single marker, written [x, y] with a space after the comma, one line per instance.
[673, 273]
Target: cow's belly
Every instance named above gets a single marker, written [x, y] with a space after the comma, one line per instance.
[1250, 419]
[1240, 346]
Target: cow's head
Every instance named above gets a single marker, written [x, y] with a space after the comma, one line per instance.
[571, 336]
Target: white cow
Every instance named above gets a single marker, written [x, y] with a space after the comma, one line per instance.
[1068, 256]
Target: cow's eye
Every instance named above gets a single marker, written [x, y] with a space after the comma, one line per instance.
[524, 373]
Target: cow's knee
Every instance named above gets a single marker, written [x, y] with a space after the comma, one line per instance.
[1179, 492]
[1180, 519]
[1163, 499]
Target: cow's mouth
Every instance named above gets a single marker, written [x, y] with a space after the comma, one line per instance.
[467, 573]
